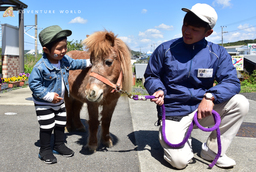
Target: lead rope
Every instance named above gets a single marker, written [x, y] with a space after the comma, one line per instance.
[195, 121]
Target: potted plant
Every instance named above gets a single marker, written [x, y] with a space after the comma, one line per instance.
[3, 85]
[12, 82]
[23, 78]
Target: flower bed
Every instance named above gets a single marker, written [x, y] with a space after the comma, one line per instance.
[14, 81]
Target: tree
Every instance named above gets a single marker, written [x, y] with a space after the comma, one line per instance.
[135, 53]
[74, 45]
[241, 42]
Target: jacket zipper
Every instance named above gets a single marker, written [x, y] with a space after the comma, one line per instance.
[189, 74]
[191, 63]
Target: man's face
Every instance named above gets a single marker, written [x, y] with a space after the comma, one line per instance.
[192, 34]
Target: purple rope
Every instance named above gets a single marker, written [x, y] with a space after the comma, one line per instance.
[195, 121]
[136, 97]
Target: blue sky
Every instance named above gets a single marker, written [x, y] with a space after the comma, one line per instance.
[142, 24]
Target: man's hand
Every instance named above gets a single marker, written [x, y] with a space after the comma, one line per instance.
[205, 108]
[159, 97]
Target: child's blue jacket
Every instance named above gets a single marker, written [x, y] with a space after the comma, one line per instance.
[45, 78]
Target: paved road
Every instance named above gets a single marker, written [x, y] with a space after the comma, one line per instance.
[136, 147]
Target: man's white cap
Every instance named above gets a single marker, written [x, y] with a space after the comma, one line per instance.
[204, 12]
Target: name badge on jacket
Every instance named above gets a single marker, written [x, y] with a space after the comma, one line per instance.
[205, 73]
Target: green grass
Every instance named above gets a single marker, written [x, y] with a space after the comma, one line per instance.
[248, 88]
[139, 84]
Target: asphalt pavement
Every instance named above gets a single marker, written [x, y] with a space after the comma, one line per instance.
[136, 146]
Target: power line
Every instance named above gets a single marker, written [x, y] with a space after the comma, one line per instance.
[243, 28]
[29, 42]
[242, 21]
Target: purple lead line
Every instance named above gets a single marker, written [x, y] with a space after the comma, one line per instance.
[195, 121]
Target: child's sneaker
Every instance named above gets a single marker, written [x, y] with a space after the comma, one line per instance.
[47, 157]
[63, 150]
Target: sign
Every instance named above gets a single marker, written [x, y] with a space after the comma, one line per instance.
[252, 49]
[238, 62]
[8, 12]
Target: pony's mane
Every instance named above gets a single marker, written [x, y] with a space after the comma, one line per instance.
[102, 42]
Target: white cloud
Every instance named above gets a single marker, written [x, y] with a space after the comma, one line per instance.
[145, 40]
[224, 3]
[142, 34]
[239, 36]
[245, 31]
[214, 37]
[177, 36]
[144, 11]
[247, 28]
[125, 39]
[164, 26]
[151, 33]
[78, 20]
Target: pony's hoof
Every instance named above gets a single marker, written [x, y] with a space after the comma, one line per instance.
[68, 129]
[91, 149]
[108, 143]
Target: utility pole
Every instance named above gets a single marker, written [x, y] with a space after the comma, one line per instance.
[222, 34]
[21, 39]
[36, 36]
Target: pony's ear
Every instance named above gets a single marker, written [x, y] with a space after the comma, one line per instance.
[111, 38]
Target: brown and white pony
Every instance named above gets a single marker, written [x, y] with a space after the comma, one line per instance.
[109, 56]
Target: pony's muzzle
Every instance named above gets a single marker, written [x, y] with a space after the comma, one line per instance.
[94, 94]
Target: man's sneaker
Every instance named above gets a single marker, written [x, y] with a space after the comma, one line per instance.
[63, 150]
[224, 161]
[47, 157]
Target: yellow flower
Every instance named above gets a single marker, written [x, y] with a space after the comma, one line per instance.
[7, 80]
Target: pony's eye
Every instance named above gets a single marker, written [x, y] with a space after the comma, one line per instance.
[108, 62]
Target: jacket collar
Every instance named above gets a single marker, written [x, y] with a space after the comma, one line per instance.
[198, 45]
[63, 62]
[47, 62]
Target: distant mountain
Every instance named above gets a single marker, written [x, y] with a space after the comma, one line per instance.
[242, 42]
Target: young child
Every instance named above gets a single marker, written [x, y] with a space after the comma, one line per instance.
[48, 82]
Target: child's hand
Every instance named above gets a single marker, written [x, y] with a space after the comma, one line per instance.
[56, 98]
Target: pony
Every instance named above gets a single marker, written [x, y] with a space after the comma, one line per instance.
[110, 57]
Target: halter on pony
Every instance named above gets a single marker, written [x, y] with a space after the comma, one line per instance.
[117, 87]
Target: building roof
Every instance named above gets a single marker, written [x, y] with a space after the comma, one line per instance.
[251, 58]
[235, 46]
[16, 4]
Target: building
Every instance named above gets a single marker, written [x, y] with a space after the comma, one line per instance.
[33, 52]
[248, 53]
[12, 40]
[237, 50]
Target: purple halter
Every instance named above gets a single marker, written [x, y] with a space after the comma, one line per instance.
[195, 121]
